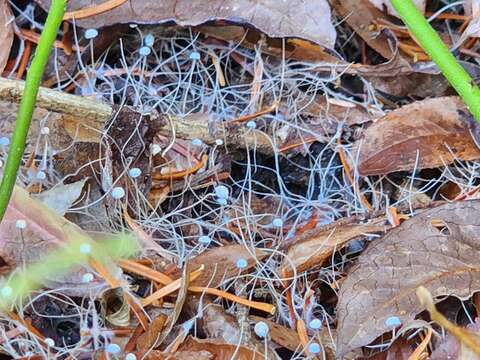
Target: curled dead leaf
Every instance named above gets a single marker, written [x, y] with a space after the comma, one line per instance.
[221, 351]
[221, 263]
[437, 249]
[6, 33]
[425, 134]
[361, 15]
[313, 247]
[310, 20]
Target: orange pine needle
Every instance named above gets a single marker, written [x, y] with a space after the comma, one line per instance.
[27, 51]
[268, 110]
[174, 175]
[144, 271]
[294, 145]
[467, 194]
[348, 173]
[33, 37]
[449, 16]
[170, 288]
[302, 333]
[218, 68]
[253, 304]
[420, 350]
[132, 342]
[392, 216]
[93, 10]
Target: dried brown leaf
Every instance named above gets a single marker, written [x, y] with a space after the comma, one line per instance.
[437, 249]
[6, 33]
[220, 263]
[217, 324]
[283, 336]
[385, 4]
[44, 230]
[310, 20]
[361, 15]
[221, 351]
[297, 49]
[180, 355]
[60, 198]
[425, 134]
[313, 247]
[451, 348]
[147, 340]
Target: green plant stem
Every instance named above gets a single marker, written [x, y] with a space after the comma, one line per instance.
[27, 105]
[430, 41]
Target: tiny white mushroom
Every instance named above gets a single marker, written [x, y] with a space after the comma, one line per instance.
[149, 40]
[6, 291]
[91, 34]
[21, 224]
[221, 191]
[241, 263]
[205, 239]
[197, 142]
[315, 324]
[219, 142]
[130, 356]
[277, 222]
[50, 342]
[135, 172]
[41, 175]
[113, 349]
[156, 149]
[4, 141]
[261, 329]
[85, 248]
[118, 193]
[393, 321]
[314, 348]
[195, 55]
[45, 130]
[145, 51]
[222, 201]
[251, 124]
[88, 277]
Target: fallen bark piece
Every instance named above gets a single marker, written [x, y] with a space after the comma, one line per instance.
[437, 249]
[425, 134]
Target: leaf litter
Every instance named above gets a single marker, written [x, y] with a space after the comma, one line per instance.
[293, 173]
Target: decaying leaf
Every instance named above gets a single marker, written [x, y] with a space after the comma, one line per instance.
[386, 4]
[297, 49]
[425, 134]
[313, 247]
[220, 264]
[115, 309]
[360, 15]
[282, 335]
[179, 355]
[221, 351]
[6, 33]
[147, 340]
[311, 20]
[43, 230]
[451, 348]
[437, 249]
[219, 325]
[60, 198]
